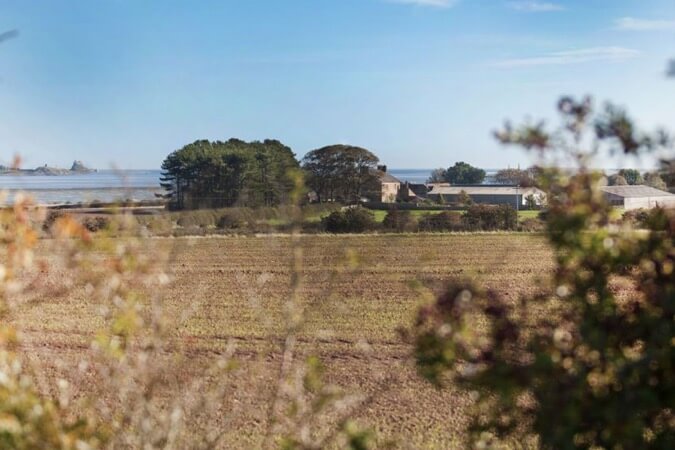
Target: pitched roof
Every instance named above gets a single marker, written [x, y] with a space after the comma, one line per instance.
[484, 190]
[418, 188]
[636, 191]
[386, 177]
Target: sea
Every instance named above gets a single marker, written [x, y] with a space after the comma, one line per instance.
[109, 186]
[105, 186]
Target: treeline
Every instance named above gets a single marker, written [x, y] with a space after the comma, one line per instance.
[630, 177]
[462, 173]
[206, 174]
[215, 174]
[218, 174]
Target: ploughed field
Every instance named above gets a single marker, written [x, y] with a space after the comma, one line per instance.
[356, 291]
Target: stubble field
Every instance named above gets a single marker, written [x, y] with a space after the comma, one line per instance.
[355, 292]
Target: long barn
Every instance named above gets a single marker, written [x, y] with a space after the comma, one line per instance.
[487, 194]
[637, 197]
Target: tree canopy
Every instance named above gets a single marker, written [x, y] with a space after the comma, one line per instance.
[616, 180]
[340, 172]
[524, 178]
[208, 174]
[437, 176]
[463, 173]
[654, 180]
[632, 176]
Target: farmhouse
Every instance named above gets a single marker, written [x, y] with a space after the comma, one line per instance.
[388, 186]
[488, 194]
[636, 197]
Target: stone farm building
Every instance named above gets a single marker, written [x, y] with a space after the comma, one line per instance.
[487, 194]
[637, 197]
[388, 185]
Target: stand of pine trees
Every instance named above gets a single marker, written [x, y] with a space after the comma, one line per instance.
[218, 174]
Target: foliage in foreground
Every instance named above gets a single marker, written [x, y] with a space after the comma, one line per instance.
[27, 419]
[130, 388]
[597, 370]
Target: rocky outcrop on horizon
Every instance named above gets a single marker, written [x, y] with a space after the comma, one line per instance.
[77, 168]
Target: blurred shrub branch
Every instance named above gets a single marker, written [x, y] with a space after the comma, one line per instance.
[576, 366]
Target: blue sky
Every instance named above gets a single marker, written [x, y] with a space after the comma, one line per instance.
[420, 82]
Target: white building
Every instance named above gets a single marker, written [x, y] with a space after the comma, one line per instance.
[488, 194]
[637, 197]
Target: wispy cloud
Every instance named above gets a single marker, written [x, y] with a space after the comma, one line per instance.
[572, 57]
[433, 3]
[634, 24]
[534, 6]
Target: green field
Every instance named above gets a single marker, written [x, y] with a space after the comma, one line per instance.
[272, 218]
[380, 215]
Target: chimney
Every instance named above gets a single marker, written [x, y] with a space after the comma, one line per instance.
[382, 168]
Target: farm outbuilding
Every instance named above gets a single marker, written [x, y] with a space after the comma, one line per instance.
[487, 194]
[637, 197]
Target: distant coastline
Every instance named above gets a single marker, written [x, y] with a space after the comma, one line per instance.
[77, 168]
